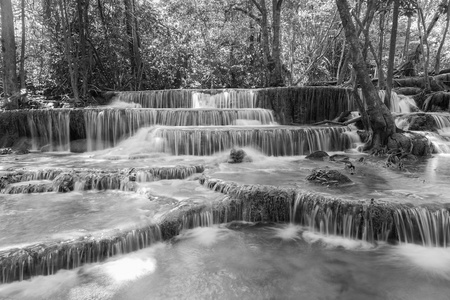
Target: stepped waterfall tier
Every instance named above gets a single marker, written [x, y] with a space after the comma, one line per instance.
[202, 188]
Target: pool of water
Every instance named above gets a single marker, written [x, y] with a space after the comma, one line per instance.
[253, 261]
[32, 218]
[47, 217]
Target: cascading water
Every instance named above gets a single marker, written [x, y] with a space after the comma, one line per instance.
[225, 99]
[105, 128]
[204, 125]
[399, 103]
[51, 128]
[274, 141]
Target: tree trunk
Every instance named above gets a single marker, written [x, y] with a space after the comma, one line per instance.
[381, 120]
[381, 81]
[8, 51]
[441, 10]
[407, 37]
[133, 43]
[82, 8]
[72, 64]
[341, 62]
[265, 39]
[392, 47]
[437, 64]
[276, 78]
[423, 43]
[22, 49]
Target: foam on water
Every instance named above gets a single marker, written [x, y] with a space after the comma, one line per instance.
[332, 241]
[430, 261]
[204, 236]
[289, 232]
[121, 104]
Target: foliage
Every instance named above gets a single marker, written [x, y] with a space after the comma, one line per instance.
[200, 43]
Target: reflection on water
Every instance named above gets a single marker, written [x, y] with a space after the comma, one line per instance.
[32, 218]
[252, 261]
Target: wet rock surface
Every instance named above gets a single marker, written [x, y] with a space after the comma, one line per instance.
[328, 176]
[238, 156]
[318, 155]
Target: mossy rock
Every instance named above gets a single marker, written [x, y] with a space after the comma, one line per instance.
[238, 156]
[399, 141]
[423, 122]
[328, 177]
[78, 146]
[318, 155]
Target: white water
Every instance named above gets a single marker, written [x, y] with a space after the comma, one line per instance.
[249, 261]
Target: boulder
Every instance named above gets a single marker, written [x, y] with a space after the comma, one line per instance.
[78, 146]
[421, 146]
[4, 151]
[238, 156]
[399, 141]
[318, 155]
[328, 177]
[422, 122]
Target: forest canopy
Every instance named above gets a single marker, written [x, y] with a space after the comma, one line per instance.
[76, 47]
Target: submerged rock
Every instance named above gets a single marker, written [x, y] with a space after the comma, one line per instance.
[423, 122]
[399, 141]
[78, 146]
[238, 156]
[328, 176]
[317, 155]
[5, 151]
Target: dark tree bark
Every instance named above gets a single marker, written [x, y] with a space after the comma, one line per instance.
[407, 38]
[22, 49]
[437, 64]
[68, 43]
[276, 77]
[392, 47]
[442, 8]
[381, 81]
[271, 55]
[381, 120]
[8, 51]
[83, 21]
[133, 43]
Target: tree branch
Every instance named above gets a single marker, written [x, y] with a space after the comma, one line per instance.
[247, 13]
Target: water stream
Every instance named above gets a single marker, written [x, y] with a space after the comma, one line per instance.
[190, 225]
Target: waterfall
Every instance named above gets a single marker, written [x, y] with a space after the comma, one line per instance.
[273, 141]
[36, 260]
[362, 220]
[89, 179]
[50, 127]
[421, 225]
[158, 99]
[224, 99]
[107, 127]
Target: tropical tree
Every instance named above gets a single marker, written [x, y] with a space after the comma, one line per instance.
[8, 51]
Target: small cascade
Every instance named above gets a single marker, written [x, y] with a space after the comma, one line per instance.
[329, 216]
[224, 99]
[158, 99]
[193, 219]
[50, 127]
[274, 141]
[342, 218]
[421, 225]
[441, 144]
[399, 103]
[355, 139]
[59, 180]
[106, 128]
[442, 123]
[47, 259]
